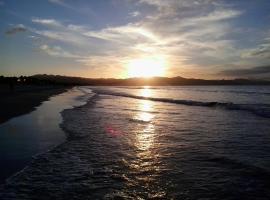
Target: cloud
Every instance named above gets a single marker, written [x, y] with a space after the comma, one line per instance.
[59, 2]
[216, 15]
[100, 65]
[135, 14]
[56, 24]
[84, 9]
[62, 36]
[261, 70]
[188, 33]
[196, 30]
[48, 22]
[262, 51]
[55, 30]
[77, 28]
[16, 29]
[128, 33]
[57, 51]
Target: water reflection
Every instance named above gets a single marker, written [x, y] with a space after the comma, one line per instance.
[146, 167]
[146, 91]
[144, 117]
[145, 134]
[146, 138]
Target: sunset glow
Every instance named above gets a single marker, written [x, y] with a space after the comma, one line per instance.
[146, 67]
[188, 38]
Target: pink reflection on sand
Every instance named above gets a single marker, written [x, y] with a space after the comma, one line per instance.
[113, 131]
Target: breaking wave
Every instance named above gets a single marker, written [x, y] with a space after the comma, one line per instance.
[262, 110]
[189, 88]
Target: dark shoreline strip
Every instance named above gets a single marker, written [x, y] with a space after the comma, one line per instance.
[22, 101]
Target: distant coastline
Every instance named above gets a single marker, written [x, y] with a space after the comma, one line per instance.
[44, 79]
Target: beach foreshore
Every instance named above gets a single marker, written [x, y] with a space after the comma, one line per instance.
[24, 99]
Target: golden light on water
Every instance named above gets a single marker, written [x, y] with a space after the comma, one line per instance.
[145, 106]
[147, 67]
[146, 143]
[146, 92]
[145, 115]
[145, 136]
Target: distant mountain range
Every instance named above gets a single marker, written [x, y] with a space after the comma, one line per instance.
[162, 81]
[44, 79]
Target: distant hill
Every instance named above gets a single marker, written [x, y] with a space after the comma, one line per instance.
[162, 81]
[44, 79]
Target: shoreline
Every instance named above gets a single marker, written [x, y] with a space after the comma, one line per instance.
[25, 99]
[24, 137]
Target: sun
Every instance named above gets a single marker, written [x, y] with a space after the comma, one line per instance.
[146, 67]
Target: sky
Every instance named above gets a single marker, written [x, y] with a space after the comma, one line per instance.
[210, 39]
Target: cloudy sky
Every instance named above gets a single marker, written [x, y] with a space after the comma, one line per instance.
[103, 38]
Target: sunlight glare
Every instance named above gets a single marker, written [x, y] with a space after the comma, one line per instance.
[146, 92]
[146, 108]
[145, 138]
[147, 67]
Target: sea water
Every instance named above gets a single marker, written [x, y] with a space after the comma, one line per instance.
[185, 142]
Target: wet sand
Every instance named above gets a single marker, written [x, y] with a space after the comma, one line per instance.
[25, 136]
[24, 99]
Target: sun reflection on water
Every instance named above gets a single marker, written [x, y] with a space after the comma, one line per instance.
[145, 166]
[146, 91]
[145, 135]
[146, 138]
[146, 145]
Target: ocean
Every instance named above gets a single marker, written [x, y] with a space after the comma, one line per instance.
[184, 142]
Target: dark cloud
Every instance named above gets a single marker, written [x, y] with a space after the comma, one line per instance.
[263, 51]
[261, 70]
[16, 29]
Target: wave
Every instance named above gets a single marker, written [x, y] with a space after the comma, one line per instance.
[138, 121]
[196, 89]
[85, 90]
[232, 91]
[262, 110]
